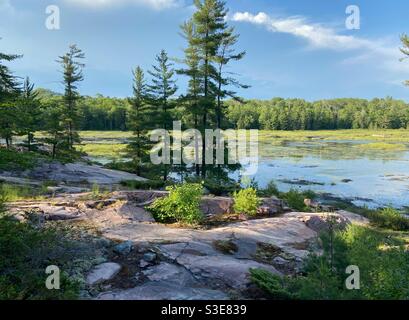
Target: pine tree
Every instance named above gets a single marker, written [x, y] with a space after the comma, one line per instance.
[72, 72]
[139, 119]
[209, 24]
[9, 91]
[53, 112]
[192, 71]
[224, 79]
[162, 88]
[28, 112]
[405, 49]
[191, 100]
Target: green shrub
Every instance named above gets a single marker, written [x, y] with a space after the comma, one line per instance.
[10, 192]
[270, 190]
[25, 253]
[295, 198]
[95, 190]
[144, 185]
[14, 160]
[389, 218]
[246, 201]
[276, 287]
[181, 205]
[218, 186]
[382, 260]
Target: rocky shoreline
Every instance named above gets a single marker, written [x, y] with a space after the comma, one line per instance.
[147, 260]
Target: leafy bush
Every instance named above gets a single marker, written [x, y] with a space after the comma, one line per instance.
[144, 185]
[14, 160]
[246, 201]
[182, 204]
[275, 286]
[389, 218]
[295, 199]
[382, 259]
[218, 186]
[25, 253]
[270, 190]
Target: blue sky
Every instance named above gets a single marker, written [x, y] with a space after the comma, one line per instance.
[295, 48]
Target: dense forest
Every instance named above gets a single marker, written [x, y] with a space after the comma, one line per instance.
[105, 113]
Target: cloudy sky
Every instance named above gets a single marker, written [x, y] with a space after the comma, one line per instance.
[295, 48]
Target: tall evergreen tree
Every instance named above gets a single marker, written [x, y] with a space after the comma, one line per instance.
[224, 79]
[53, 116]
[28, 112]
[405, 49]
[195, 83]
[139, 119]
[72, 75]
[9, 90]
[192, 71]
[162, 88]
[209, 24]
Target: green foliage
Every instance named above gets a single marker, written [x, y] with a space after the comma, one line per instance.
[246, 201]
[25, 253]
[381, 258]
[270, 190]
[29, 113]
[218, 185]
[72, 74]
[295, 198]
[13, 160]
[141, 119]
[275, 286]
[10, 193]
[389, 218]
[181, 205]
[298, 114]
[95, 190]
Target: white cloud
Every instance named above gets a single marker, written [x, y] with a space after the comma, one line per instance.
[155, 4]
[375, 53]
[316, 35]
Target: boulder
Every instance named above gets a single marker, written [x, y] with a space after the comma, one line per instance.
[216, 205]
[123, 248]
[170, 273]
[103, 272]
[149, 256]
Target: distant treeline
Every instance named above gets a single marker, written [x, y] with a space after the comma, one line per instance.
[105, 113]
[96, 113]
[298, 114]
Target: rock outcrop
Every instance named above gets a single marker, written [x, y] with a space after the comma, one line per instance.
[187, 263]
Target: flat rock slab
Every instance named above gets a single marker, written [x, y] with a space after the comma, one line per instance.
[103, 272]
[170, 273]
[206, 263]
[163, 290]
[80, 172]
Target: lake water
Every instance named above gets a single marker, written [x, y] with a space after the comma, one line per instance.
[367, 177]
[341, 168]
